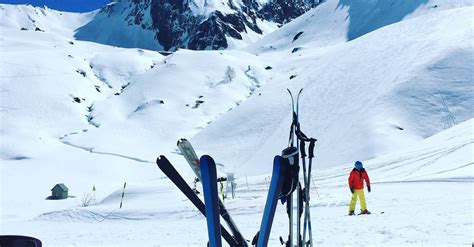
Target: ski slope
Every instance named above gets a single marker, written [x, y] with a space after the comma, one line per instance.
[421, 195]
[336, 22]
[363, 98]
[395, 91]
[88, 114]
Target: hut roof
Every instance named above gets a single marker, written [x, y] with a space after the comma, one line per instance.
[60, 186]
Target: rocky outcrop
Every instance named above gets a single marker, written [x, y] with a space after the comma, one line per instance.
[283, 11]
[174, 24]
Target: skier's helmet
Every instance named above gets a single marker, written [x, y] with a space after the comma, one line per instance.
[358, 165]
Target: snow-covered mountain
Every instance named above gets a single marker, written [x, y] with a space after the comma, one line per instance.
[195, 24]
[362, 97]
[336, 22]
[386, 82]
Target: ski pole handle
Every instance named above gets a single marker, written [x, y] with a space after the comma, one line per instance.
[302, 149]
[311, 147]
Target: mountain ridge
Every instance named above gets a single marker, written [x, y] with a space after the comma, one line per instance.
[195, 25]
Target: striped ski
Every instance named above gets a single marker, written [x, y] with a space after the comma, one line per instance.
[190, 155]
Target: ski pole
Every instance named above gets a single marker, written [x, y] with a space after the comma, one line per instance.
[123, 193]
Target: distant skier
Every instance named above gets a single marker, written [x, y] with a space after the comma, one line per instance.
[222, 190]
[356, 184]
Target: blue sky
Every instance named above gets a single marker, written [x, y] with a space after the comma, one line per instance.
[64, 5]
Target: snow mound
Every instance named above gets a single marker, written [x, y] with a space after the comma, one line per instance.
[42, 19]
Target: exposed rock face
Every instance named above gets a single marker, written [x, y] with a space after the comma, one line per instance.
[192, 24]
[283, 11]
[172, 21]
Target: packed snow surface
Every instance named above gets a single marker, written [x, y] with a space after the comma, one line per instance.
[410, 189]
[386, 82]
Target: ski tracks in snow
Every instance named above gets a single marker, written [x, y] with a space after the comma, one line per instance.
[91, 150]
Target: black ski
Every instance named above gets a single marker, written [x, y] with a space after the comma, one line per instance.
[168, 169]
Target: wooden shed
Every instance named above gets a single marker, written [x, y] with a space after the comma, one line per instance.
[59, 191]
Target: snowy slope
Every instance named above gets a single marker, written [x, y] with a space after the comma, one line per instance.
[170, 101]
[147, 97]
[363, 98]
[30, 18]
[406, 191]
[86, 115]
[334, 22]
[48, 82]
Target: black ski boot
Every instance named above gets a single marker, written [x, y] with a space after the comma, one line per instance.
[351, 213]
[365, 211]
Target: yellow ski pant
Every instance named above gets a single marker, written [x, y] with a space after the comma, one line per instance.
[360, 194]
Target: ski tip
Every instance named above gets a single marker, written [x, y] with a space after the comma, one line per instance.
[207, 159]
[276, 159]
[299, 93]
[181, 140]
[289, 91]
[160, 159]
[207, 164]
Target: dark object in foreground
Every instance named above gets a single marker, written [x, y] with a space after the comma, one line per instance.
[194, 162]
[168, 169]
[284, 181]
[280, 167]
[19, 241]
[211, 199]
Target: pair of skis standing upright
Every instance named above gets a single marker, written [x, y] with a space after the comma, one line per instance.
[285, 181]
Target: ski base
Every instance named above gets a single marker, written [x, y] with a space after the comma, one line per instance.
[279, 170]
[211, 199]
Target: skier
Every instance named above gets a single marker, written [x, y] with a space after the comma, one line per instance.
[222, 190]
[356, 184]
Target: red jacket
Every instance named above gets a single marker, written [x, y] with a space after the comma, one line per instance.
[356, 179]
